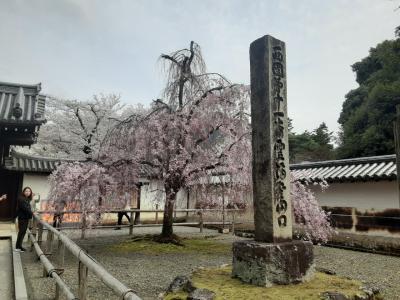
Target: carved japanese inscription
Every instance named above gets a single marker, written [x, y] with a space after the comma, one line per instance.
[272, 206]
[279, 146]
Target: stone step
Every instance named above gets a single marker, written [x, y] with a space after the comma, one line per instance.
[12, 283]
[6, 269]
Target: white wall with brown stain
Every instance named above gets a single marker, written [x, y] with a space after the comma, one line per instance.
[39, 185]
[361, 195]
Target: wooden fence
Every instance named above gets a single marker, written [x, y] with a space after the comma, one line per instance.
[86, 263]
[83, 225]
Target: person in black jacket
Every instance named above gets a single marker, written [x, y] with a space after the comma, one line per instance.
[24, 214]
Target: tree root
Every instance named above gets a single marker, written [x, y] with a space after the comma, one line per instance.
[172, 239]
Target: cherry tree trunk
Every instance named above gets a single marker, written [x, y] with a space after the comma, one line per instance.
[167, 229]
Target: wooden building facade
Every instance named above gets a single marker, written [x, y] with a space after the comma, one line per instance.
[22, 110]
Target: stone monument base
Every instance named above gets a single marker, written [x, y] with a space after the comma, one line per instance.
[266, 264]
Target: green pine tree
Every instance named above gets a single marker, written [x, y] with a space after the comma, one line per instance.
[368, 112]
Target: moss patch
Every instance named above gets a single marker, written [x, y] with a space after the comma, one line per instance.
[146, 245]
[176, 296]
[220, 282]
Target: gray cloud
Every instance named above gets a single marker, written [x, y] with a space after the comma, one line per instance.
[79, 48]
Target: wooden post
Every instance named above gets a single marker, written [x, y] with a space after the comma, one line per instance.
[83, 225]
[33, 231]
[62, 256]
[156, 213]
[137, 214]
[30, 223]
[34, 227]
[40, 234]
[32, 246]
[187, 202]
[131, 224]
[175, 210]
[49, 242]
[59, 241]
[57, 296]
[201, 221]
[82, 275]
[233, 222]
[397, 146]
[223, 207]
[44, 271]
[354, 219]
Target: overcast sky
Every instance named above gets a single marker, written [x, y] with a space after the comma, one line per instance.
[79, 48]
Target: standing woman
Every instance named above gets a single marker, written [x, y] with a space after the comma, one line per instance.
[24, 214]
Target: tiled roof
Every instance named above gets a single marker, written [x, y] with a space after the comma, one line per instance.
[356, 169]
[27, 163]
[27, 98]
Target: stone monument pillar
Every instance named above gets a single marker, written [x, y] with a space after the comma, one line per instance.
[273, 257]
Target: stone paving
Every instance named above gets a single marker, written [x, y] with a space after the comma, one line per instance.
[7, 229]
[12, 283]
[6, 282]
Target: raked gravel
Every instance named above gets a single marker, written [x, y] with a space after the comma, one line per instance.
[149, 275]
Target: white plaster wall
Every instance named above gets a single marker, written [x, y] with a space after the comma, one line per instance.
[150, 194]
[153, 193]
[181, 199]
[376, 195]
[39, 185]
[362, 195]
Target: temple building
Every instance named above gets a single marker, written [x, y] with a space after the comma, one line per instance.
[361, 183]
[22, 110]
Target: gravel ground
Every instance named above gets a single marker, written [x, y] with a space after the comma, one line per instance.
[149, 275]
[381, 271]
